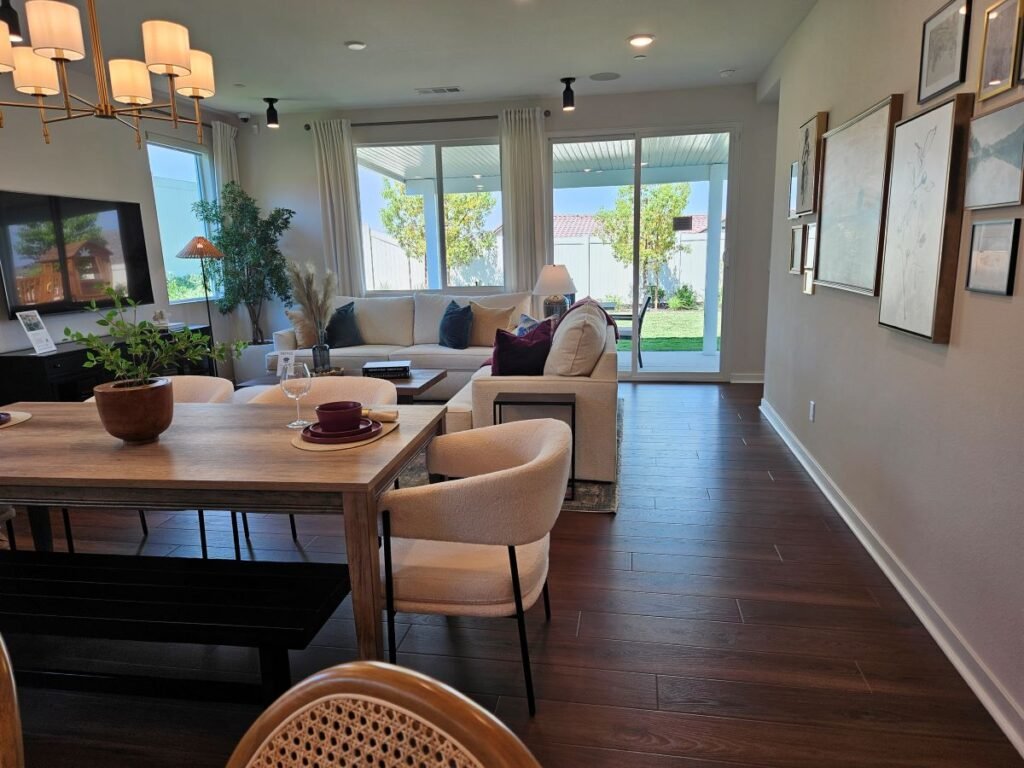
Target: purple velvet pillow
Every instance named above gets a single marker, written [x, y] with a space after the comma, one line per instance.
[522, 355]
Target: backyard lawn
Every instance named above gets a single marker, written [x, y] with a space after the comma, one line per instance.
[667, 330]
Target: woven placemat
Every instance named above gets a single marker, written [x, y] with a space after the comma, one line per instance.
[302, 445]
[16, 418]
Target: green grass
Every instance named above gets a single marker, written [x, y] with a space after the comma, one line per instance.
[666, 330]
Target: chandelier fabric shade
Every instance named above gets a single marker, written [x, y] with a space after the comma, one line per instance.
[55, 30]
[6, 49]
[129, 82]
[199, 83]
[166, 47]
[33, 74]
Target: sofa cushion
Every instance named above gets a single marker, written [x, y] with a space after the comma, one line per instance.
[456, 325]
[522, 355]
[342, 329]
[382, 319]
[487, 321]
[436, 356]
[349, 358]
[305, 331]
[578, 343]
[430, 308]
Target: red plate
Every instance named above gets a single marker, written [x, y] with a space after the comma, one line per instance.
[365, 425]
[311, 437]
[4, 418]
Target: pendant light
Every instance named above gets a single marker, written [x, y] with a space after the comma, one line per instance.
[9, 16]
[272, 120]
[568, 97]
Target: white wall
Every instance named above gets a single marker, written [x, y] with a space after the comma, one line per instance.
[278, 168]
[924, 440]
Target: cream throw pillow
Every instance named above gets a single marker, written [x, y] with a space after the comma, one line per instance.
[578, 343]
[486, 322]
[305, 333]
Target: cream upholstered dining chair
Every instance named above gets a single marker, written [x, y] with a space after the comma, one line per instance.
[372, 714]
[11, 750]
[328, 389]
[478, 545]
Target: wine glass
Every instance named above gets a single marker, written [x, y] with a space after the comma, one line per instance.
[296, 383]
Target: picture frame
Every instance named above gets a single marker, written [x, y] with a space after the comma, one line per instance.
[945, 37]
[809, 282]
[995, 159]
[856, 160]
[999, 49]
[810, 245]
[992, 259]
[809, 163]
[796, 250]
[922, 234]
[794, 172]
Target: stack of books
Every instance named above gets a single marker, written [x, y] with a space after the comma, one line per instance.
[388, 369]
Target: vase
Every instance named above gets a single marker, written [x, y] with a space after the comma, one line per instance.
[321, 355]
[135, 413]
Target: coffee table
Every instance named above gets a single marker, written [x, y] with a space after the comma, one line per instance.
[419, 382]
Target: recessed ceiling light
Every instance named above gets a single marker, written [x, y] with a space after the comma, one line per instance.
[587, 170]
[644, 164]
[239, 85]
[598, 171]
[355, 45]
[725, 74]
[640, 41]
[477, 176]
[603, 77]
[479, 186]
[639, 57]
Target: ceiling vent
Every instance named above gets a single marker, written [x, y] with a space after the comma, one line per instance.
[438, 90]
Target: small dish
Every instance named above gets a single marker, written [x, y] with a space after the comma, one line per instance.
[311, 437]
[319, 430]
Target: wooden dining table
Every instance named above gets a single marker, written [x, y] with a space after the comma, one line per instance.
[231, 457]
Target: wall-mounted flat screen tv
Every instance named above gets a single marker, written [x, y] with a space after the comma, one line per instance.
[58, 254]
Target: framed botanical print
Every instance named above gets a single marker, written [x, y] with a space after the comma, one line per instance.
[809, 163]
[809, 282]
[993, 259]
[794, 174]
[855, 161]
[922, 230]
[995, 159]
[944, 49]
[796, 250]
[811, 246]
[999, 48]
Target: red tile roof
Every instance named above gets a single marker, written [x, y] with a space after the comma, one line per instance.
[583, 224]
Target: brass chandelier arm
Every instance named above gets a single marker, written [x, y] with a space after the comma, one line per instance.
[28, 105]
[64, 118]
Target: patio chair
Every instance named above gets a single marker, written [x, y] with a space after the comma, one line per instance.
[626, 331]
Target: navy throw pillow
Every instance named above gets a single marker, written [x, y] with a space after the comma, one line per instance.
[342, 330]
[455, 326]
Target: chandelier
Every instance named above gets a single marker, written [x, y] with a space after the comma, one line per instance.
[40, 69]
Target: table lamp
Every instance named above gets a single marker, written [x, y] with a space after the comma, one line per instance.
[554, 282]
[201, 248]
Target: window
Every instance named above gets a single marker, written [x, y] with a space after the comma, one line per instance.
[179, 180]
[431, 216]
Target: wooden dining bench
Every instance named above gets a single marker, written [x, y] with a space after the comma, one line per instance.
[271, 606]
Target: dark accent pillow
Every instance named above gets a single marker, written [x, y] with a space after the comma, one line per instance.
[522, 355]
[342, 330]
[455, 326]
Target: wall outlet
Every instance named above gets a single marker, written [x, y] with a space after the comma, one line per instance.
[810, 411]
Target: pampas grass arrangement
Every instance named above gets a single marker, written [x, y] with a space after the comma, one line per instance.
[312, 293]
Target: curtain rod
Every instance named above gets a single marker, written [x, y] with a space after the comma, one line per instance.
[471, 118]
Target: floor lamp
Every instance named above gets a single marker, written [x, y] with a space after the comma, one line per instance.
[201, 248]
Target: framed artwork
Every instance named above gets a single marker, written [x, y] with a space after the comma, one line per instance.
[811, 246]
[809, 282]
[809, 163]
[993, 259]
[944, 49]
[794, 173]
[854, 178]
[999, 49]
[922, 231]
[995, 159]
[796, 250]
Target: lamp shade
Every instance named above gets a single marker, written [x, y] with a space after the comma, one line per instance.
[33, 74]
[6, 49]
[166, 46]
[554, 280]
[200, 248]
[55, 30]
[129, 82]
[199, 83]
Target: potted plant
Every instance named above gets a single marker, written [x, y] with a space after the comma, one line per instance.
[253, 269]
[139, 404]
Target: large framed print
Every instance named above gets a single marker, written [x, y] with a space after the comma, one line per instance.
[993, 259]
[925, 214]
[944, 42]
[809, 163]
[995, 159]
[999, 48]
[855, 161]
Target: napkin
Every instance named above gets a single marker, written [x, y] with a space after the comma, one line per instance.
[382, 415]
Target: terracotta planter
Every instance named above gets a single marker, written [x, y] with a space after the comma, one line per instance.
[136, 414]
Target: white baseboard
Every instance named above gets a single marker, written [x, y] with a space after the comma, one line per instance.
[747, 378]
[1007, 713]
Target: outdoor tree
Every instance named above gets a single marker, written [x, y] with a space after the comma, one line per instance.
[465, 216]
[659, 204]
[36, 238]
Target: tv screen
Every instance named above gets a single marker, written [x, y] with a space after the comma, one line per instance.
[58, 254]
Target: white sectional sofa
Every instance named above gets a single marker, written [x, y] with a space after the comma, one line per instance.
[407, 328]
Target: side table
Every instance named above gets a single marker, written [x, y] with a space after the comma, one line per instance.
[566, 399]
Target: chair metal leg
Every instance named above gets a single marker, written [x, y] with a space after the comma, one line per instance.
[10, 537]
[142, 519]
[202, 532]
[295, 533]
[517, 592]
[389, 587]
[547, 602]
[234, 534]
[67, 530]
[245, 525]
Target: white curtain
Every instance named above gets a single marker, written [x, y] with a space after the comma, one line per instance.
[339, 207]
[225, 155]
[525, 194]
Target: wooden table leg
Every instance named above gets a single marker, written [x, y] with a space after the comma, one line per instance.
[363, 550]
[42, 531]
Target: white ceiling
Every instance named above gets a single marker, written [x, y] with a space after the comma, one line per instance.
[493, 49]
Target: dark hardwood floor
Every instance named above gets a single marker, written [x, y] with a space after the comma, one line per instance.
[725, 617]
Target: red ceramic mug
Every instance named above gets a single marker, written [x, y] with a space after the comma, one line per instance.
[339, 416]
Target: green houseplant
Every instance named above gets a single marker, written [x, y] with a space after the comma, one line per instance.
[253, 269]
[139, 404]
